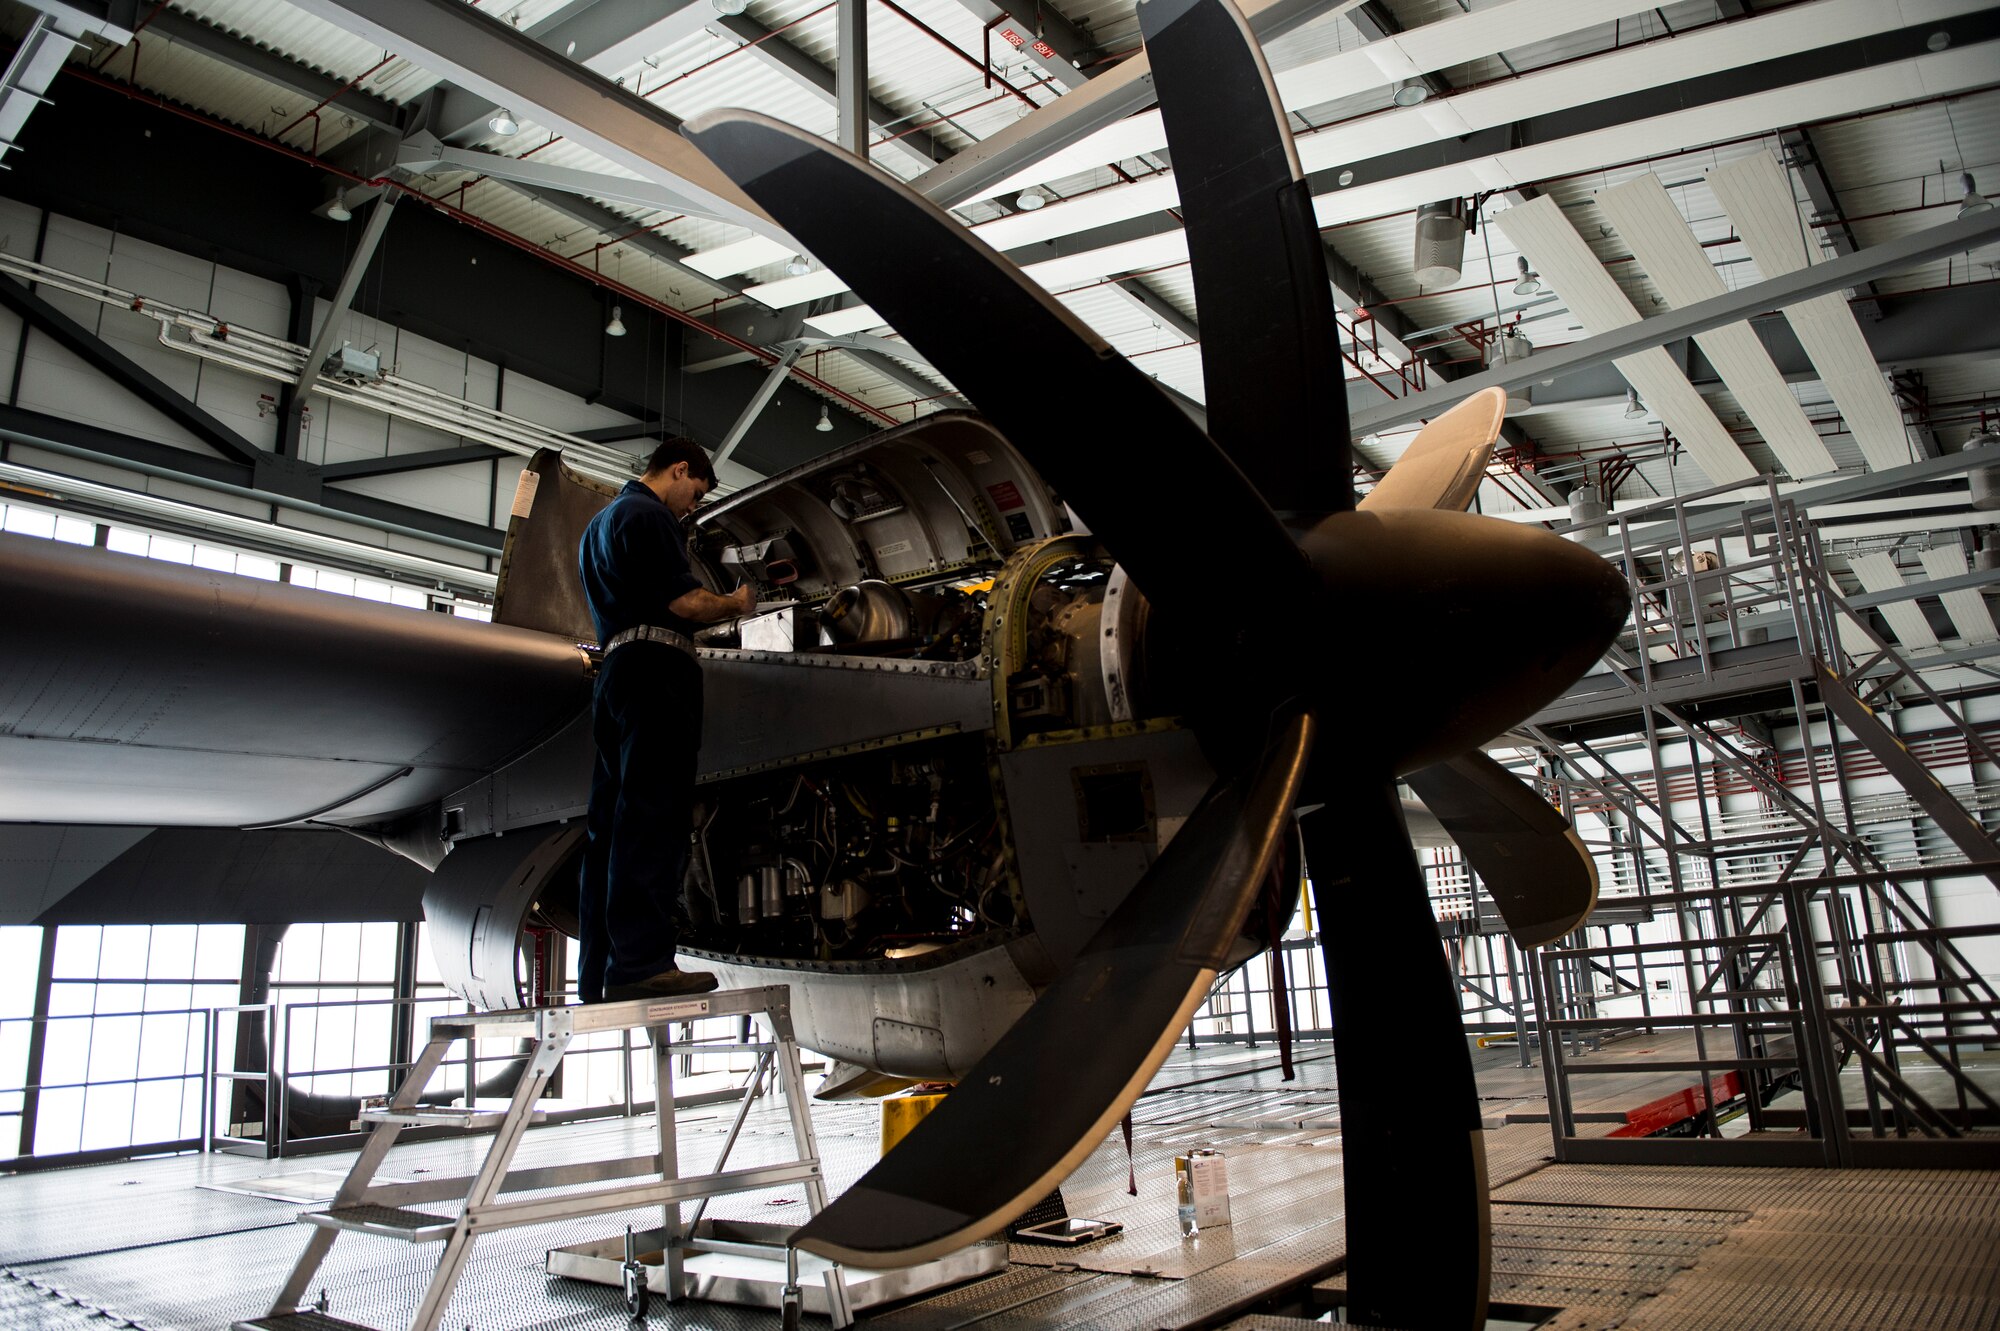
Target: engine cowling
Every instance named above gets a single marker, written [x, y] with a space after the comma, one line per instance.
[482, 897]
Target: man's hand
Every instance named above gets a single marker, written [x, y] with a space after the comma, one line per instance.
[705, 607]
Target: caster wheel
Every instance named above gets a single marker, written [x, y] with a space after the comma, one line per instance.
[792, 1310]
[636, 1300]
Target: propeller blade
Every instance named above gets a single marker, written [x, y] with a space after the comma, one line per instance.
[1444, 464]
[1069, 1069]
[970, 311]
[1270, 351]
[1412, 1156]
[1527, 854]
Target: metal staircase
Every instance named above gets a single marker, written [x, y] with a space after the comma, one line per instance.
[1822, 1001]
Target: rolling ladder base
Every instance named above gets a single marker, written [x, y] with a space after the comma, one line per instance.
[397, 1210]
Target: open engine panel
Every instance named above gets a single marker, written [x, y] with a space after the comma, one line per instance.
[876, 856]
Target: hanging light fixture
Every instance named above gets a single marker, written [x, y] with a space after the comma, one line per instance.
[503, 123]
[796, 266]
[1409, 92]
[1030, 199]
[1512, 349]
[1635, 410]
[1971, 202]
[616, 328]
[1530, 282]
[336, 211]
[825, 421]
[730, 7]
[1440, 243]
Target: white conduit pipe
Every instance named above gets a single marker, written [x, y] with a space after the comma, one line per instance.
[267, 357]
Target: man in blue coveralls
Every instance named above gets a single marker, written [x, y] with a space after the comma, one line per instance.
[646, 717]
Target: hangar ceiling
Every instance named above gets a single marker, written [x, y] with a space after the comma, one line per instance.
[1616, 160]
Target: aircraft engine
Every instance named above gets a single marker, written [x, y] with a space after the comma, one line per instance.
[874, 856]
[487, 891]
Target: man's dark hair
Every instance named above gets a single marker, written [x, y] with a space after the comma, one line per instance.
[683, 450]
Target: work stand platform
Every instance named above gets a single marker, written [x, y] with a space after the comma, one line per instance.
[390, 1210]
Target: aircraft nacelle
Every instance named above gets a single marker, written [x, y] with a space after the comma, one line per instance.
[950, 662]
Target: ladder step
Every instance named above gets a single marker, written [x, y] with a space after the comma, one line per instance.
[389, 1222]
[444, 1118]
[305, 1319]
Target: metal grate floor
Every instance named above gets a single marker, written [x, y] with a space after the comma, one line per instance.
[1610, 1245]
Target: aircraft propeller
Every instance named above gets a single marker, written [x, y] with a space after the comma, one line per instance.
[1368, 615]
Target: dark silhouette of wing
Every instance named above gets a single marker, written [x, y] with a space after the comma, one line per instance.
[135, 691]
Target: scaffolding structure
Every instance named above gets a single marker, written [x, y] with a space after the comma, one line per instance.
[1770, 890]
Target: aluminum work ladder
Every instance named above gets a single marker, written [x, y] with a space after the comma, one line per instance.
[386, 1210]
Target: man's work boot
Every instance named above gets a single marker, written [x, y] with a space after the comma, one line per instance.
[670, 983]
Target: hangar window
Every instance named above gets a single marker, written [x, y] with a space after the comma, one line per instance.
[333, 983]
[118, 1062]
[25, 521]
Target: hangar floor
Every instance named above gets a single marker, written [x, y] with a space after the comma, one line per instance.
[156, 1244]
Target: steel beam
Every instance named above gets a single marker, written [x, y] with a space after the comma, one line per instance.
[280, 71]
[75, 439]
[604, 36]
[1156, 307]
[921, 146]
[1802, 155]
[1057, 46]
[485, 55]
[127, 373]
[397, 463]
[343, 296]
[780, 370]
[850, 88]
[1104, 100]
[1893, 256]
[422, 153]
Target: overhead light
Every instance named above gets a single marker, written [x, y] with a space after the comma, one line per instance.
[616, 328]
[1530, 282]
[796, 266]
[503, 122]
[336, 211]
[1635, 410]
[1514, 349]
[1030, 199]
[730, 7]
[1971, 202]
[1440, 243]
[1411, 91]
[825, 421]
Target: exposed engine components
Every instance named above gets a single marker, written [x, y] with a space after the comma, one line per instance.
[877, 853]
[871, 611]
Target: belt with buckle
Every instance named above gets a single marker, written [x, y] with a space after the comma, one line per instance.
[650, 633]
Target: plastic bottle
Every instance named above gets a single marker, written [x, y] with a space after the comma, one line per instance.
[1184, 1196]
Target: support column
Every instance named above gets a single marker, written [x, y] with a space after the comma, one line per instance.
[851, 77]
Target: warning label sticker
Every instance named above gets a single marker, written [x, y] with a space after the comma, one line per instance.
[1006, 495]
[524, 493]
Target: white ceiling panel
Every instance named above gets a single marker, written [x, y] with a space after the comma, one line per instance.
[1967, 608]
[1650, 223]
[1878, 573]
[1539, 229]
[1758, 196]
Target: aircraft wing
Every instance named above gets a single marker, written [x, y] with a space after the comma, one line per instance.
[139, 692]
